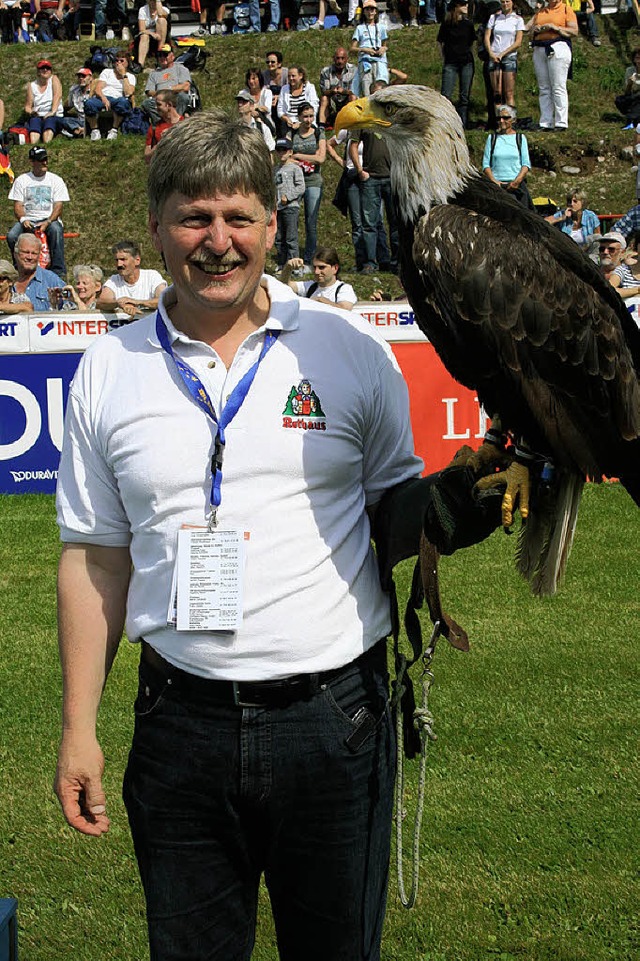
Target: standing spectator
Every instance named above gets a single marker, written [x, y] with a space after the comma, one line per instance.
[168, 75]
[114, 90]
[130, 289]
[369, 41]
[38, 197]
[326, 288]
[455, 40]
[152, 29]
[33, 280]
[576, 220]
[254, 16]
[260, 95]
[336, 81]
[248, 115]
[120, 12]
[73, 123]
[552, 28]
[310, 152]
[506, 157]
[166, 104]
[43, 104]
[11, 302]
[11, 13]
[296, 91]
[374, 168]
[322, 12]
[502, 40]
[289, 181]
[351, 186]
[628, 103]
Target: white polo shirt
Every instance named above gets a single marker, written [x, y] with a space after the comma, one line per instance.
[143, 289]
[323, 432]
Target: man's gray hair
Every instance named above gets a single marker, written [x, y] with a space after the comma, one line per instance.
[88, 270]
[26, 235]
[210, 153]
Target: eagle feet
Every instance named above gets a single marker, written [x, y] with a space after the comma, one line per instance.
[517, 483]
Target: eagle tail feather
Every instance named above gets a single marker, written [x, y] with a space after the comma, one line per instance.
[544, 542]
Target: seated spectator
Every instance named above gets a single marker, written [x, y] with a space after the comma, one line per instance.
[114, 90]
[169, 75]
[11, 302]
[629, 224]
[11, 13]
[506, 157]
[38, 197]
[612, 248]
[166, 104]
[326, 287]
[295, 92]
[336, 81]
[33, 280]
[84, 292]
[628, 103]
[584, 11]
[48, 20]
[576, 220]
[322, 12]
[275, 76]
[260, 94]
[118, 11]
[130, 289]
[153, 29]
[217, 27]
[289, 181]
[248, 115]
[43, 104]
[72, 124]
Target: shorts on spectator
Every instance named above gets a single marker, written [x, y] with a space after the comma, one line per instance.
[508, 65]
[40, 124]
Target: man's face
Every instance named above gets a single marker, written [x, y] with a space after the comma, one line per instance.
[340, 59]
[215, 248]
[164, 109]
[39, 167]
[324, 273]
[126, 264]
[165, 60]
[245, 111]
[610, 254]
[84, 80]
[27, 253]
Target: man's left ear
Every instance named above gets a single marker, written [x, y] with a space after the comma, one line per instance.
[153, 231]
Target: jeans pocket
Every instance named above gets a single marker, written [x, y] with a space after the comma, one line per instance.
[152, 687]
[350, 696]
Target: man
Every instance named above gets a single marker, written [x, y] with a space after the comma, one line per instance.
[373, 171]
[130, 289]
[629, 223]
[73, 124]
[33, 281]
[248, 115]
[166, 102]
[262, 740]
[335, 86]
[169, 76]
[612, 247]
[326, 288]
[38, 197]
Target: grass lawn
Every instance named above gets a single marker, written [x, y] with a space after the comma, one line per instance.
[531, 829]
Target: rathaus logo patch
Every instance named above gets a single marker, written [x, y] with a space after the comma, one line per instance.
[303, 410]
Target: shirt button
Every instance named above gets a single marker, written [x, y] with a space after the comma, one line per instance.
[211, 363]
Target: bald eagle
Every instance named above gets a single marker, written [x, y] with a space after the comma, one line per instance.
[517, 313]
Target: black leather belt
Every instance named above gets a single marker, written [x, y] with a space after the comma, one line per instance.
[298, 687]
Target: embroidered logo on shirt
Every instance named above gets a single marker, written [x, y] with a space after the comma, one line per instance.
[303, 409]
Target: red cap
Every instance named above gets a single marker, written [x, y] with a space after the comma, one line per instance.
[43, 63]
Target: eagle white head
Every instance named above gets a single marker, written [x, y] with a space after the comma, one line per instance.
[429, 155]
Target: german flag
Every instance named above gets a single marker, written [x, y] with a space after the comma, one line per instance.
[5, 164]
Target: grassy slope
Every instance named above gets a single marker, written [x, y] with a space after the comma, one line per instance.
[107, 180]
[530, 838]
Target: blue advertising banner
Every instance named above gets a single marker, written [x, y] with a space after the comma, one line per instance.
[33, 396]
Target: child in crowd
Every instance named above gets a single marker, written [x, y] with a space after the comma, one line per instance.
[289, 181]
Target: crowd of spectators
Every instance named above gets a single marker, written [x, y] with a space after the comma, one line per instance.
[294, 114]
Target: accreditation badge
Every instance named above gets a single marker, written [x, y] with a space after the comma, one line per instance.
[208, 576]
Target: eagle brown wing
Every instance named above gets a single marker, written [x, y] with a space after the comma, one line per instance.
[518, 313]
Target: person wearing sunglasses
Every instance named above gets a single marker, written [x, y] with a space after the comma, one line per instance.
[43, 104]
[38, 197]
[614, 263]
[114, 90]
[506, 157]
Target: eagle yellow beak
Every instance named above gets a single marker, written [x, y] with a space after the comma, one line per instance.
[360, 114]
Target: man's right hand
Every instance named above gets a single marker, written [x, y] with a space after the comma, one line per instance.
[78, 785]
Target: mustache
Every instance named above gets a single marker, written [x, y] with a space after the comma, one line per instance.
[204, 259]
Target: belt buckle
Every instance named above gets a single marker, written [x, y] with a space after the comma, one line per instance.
[238, 699]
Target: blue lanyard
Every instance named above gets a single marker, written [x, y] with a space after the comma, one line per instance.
[199, 393]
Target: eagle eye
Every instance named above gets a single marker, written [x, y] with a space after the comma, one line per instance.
[389, 109]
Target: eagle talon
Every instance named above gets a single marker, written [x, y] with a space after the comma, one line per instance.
[515, 480]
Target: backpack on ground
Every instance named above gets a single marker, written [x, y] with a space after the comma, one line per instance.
[194, 58]
[135, 122]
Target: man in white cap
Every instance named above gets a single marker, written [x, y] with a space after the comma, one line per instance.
[612, 248]
[248, 115]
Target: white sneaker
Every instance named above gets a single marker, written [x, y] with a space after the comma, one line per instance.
[113, 134]
[95, 135]
[317, 26]
[126, 34]
[202, 32]
[413, 23]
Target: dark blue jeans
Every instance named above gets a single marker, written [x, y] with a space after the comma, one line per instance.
[218, 794]
[375, 192]
[287, 235]
[450, 73]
